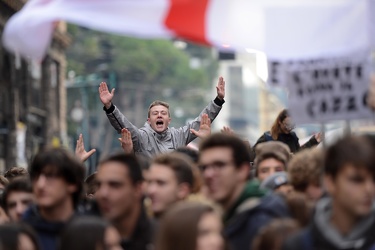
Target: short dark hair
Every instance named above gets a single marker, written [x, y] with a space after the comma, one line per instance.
[357, 151]
[18, 185]
[62, 163]
[131, 163]
[239, 149]
[192, 153]
[90, 184]
[181, 165]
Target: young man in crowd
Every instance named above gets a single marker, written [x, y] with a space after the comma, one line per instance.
[271, 157]
[119, 197]
[170, 179]
[225, 164]
[156, 136]
[56, 177]
[345, 219]
[17, 198]
[305, 172]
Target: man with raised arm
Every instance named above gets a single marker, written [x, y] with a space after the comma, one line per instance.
[156, 136]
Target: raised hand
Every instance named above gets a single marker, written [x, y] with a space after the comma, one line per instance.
[319, 137]
[220, 88]
[204, 128]
[227, 130]
[106, 96]
[126, 141]
[80, 150]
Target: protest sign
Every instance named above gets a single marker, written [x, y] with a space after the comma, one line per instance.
[329, 89]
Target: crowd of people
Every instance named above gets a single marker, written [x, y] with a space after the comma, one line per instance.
[157, 193]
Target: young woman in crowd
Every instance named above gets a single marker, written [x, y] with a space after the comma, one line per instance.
[90, 233]
[190, 226]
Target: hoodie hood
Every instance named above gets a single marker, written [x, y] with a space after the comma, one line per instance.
[354, 240]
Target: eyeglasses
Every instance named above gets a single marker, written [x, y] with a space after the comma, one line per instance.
[215, 165]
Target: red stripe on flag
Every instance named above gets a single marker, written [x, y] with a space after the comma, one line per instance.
[187, 18]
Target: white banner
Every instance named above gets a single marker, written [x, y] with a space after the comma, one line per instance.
[329, 89]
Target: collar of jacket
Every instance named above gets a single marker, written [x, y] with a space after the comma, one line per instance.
[161, 136]
[251, 190]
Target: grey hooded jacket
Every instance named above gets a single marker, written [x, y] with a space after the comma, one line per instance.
[321, 235]
[148, 142]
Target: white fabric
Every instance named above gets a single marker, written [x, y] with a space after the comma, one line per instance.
[283, 29]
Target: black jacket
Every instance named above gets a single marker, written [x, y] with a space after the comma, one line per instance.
[142, 236]
[290, 139]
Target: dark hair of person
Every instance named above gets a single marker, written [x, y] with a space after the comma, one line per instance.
[273, 235]
[15, 172]
[61, 163]
[299, 208]
[357, 151]
[130, 162]
[90, 184]
[180, 164]
[85, 232]
[179, 226]
[193, 154]
[20, 184]
[239, 149]
[10, 233]
[276, 129]
[144, 162]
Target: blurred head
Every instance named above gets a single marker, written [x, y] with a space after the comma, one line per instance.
[90, 186]
[305, 171]
[224, 162]
[56, 176]
[89, 233]
[350, 175]
[190, 226]
[170, 179]
[18, 196]
[119, 187]
[273, 235]
[159, 116]
[277, 182]
[17, 236]
[15, 172]
[282, 124]
[271, 157]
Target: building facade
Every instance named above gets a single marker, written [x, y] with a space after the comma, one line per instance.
[32, 97]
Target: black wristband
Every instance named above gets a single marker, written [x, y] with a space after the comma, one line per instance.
[218, 101]
[110, 110]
